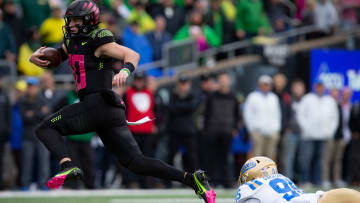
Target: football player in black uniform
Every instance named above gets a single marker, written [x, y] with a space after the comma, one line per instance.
[90, 50]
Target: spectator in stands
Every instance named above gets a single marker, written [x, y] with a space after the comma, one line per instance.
[326, 16]
[140, 103]
[81, 151]
[318, 119]
[334, 150]
[141, 17]
[204, 35]
[293, 133]
[26, 49]
[220, 21]
[51, 32]
[280, 82]
[251, 19]
[262, 115]
[7, 41]
[17, 128]
[300, 8]
[159, 37]
[278, 16]
[354, 124]
[221, 125]
[208, 86]
[13, 20]
[174, 15]
[119, 7]
[188, 5]
[181, 127]
[50, 94]
[33, 109]
[346, 110]
[5, 118]
[346, 105]
[308, 14]
[137, 42]
[348, 12]
[35, 12]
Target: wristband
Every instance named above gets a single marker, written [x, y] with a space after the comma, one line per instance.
[129, 66]
[30, 59]
[126, 70]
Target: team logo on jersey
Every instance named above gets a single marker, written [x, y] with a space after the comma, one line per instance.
[141, 101]
[247, 167]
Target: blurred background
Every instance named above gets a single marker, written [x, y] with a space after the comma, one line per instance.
[225, 79]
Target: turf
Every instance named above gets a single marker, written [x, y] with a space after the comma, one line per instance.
[112, 196]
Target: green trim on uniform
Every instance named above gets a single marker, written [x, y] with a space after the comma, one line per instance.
[101, 65]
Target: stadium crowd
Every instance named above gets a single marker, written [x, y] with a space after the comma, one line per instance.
[207, 117]
[146, 25]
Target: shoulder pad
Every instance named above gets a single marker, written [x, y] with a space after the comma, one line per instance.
[100, 33]
[248, 189]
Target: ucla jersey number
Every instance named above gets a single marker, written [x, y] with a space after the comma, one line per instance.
[279, 185]
[286, 187]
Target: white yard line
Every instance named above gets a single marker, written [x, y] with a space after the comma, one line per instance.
[109, 192]
[178, 200]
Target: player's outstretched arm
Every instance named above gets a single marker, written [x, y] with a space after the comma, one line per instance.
[35, 58]
[114, 50]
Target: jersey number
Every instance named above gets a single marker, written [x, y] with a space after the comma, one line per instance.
[77, 63]
[287, 187]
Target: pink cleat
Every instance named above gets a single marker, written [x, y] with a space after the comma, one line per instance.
[203, 189]
[64, 175]
[210, 196]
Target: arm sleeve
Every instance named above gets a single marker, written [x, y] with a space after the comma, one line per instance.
[101, 37]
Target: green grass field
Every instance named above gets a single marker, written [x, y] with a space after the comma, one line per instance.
[116, 196]
[112, 196]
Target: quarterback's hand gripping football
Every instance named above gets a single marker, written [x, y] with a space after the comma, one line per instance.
[35, 58]
[120, 78]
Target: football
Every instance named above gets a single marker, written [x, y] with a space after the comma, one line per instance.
[52, 55]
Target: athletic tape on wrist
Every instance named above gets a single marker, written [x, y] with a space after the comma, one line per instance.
[126, 70]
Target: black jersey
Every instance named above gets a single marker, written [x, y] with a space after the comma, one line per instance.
[91, 73]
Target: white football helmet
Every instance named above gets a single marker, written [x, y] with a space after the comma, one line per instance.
[257, 167]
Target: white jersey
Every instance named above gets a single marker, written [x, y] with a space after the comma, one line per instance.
[273, 189]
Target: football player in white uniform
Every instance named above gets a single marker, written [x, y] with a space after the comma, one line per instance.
[260, 182]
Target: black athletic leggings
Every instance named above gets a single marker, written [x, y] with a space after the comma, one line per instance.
[104, 114]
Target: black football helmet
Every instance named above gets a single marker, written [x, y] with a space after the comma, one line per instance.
[86, 10]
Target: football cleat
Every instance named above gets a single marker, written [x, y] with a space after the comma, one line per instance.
[66, 174]
[202, 187]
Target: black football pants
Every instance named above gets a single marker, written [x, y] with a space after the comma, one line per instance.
[104, 114]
